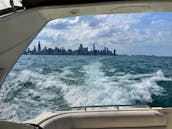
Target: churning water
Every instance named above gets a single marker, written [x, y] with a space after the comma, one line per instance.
[46, 83]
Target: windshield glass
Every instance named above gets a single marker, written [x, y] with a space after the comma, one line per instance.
[120, 59]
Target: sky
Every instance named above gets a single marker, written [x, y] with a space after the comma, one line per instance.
[132, 34]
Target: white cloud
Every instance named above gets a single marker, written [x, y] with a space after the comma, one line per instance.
[120, 21]
[137, 36]
[67, 21]
[158, 21]
[50, 33]
[82, 31]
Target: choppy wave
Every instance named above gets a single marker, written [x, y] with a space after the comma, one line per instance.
[99, 89]
[29, 92]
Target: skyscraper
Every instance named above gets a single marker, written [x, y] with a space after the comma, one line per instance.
[80, 47]
[94, 47]
[39, 46]
[80, 50]
[34, 50]
[114, 52]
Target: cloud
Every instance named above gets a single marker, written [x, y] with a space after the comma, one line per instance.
[157, 22]
[121, 21]
[64, 21]
[114, 31]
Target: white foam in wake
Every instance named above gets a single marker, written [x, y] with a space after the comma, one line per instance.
[99, 89]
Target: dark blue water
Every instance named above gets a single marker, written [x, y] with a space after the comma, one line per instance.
[45, 83]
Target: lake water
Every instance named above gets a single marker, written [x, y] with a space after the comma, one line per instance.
[47, 83]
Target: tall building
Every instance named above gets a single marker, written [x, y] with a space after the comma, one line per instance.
[39, 46]
[34, 49]
[80, 47]
[80, 50]
[94, 47]
[114, 52]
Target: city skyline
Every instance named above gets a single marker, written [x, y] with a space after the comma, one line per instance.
[62, 51]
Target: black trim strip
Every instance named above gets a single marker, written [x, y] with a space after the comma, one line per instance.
[37, 3]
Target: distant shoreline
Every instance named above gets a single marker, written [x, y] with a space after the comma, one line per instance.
[64, 55]
[99, 55]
